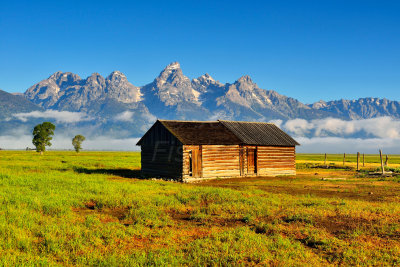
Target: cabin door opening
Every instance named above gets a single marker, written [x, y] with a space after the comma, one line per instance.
[195, 163]
[241, 161]
[251, 161]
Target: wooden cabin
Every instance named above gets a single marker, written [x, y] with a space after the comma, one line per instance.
[195, 150]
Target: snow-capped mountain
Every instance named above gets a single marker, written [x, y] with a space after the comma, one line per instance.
[172, 95]
[67, 91]
[115, 104]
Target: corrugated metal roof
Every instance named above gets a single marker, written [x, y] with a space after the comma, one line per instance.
[228, 133]
[259, 133]
[200, 132]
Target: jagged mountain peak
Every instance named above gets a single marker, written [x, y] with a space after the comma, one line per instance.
[205, 78]
[172, 75]
[56, 75]
[245, 79]
[95, 79]
[59, 77]
[116, 74]
[245, 83]
[171, 69]
[66, 91]
[205, 83]
[318, 105]
[362, 108]
[173, 95]
[173, 66]
[95, 75]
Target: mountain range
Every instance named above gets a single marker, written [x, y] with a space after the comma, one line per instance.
[113, 105]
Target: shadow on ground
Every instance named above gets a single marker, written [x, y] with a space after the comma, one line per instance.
[125, 173]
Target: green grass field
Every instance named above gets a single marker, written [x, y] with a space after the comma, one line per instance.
[64, 208]
[350, 158]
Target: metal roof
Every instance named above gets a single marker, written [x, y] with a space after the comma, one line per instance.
[259, 133]
[227, 133]
[200, 132]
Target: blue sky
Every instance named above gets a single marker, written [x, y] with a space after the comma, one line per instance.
[309, 50]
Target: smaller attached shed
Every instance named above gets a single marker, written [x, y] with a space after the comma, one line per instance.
[195, 150]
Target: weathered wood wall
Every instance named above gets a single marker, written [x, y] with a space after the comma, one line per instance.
[274, 161]
[161, 153]
[222, 161]
[162, 161]
[159, 135]
[217, 161]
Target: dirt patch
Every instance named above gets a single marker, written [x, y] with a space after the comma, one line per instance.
[342, 224]
[106, 215]
[307, 183]
[188, 218]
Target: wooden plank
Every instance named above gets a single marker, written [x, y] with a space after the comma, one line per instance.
[251, 161]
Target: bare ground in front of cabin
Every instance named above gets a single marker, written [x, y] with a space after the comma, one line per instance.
[328, 183]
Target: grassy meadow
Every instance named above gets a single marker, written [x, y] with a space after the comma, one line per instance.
[92, 208]
[370, 160]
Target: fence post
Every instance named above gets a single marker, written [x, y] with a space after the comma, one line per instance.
[344, 158]
[383, 168]
[325, 161]
[358, 161]
[363, 160]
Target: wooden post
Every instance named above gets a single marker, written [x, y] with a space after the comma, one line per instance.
[358, 161]
[383, 168]
[325, 160]
[363, 160]
[344, 158]
[387, 161]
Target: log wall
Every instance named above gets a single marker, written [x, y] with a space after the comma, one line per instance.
[223, 161]
[159, 135]
[272, 160]
[217, 161]
[162, 161]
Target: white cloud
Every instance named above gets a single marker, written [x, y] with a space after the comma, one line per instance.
[339, 145]
[383, 127]
[15, 141]
[124, 116]
[59, 116]
[128, 116]
[317, 136]
[298, 126]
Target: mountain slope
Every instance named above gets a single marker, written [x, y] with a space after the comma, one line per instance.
[11, 104]
[67, 91]
[244, 98]
[363, 108]
[113, 103]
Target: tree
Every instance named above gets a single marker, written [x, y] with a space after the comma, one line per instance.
[77, 142]
[42, 135]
